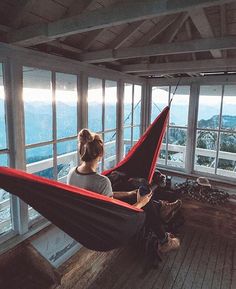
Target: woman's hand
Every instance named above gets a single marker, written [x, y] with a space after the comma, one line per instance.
[142, 200]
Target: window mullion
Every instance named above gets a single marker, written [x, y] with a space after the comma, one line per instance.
[54, 125]
[218, 136]
[132, 116]
[192, 127]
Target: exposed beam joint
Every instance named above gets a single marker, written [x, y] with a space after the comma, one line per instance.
[115, 14]
[91, 38]
[197, 66]
[160, 49]
[202, 24]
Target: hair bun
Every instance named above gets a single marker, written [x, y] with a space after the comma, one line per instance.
[85, 136]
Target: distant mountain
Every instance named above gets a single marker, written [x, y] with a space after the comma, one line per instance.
[228, 122]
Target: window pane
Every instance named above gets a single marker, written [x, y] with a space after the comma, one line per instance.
[110, 150]
[37, 96]
[39, 162]
[227, 155]
[3, 139]
[179, 106]
[128, 89]
[177, 139]
[127, 140]
[160, 99]
[95, 101]
[110, 104]
[229, 108]
[162, 155]
[67, 158]
[205, 153]
[136, 134]
[5, 203]
[137, 104]
[209, 106]
[66, 105]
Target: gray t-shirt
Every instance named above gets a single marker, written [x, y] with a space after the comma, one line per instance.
[92, 181]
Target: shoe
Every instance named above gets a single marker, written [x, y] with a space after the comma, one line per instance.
[168, 210]
[172, 243]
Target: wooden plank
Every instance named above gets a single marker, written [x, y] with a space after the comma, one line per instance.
[182, 67]
[200, 273]
[218, 273]
[185, 246]
[228, 266]
[195, 263]
[160, 49]
[115, 14]
[211, 264]
[184, 267]
[202, 24]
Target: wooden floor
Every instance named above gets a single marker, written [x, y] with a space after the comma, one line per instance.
[203, 261]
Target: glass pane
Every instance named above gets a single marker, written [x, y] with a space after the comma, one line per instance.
[67, 158]
[3, 139]
[39, 162]
[128, 90]
[205, 153]
[127, 140]
[162, 155]
[110, 104]
[177, 139]
[179, 106]
[110, 150]
[5, 203]
[136, 134]
[209, 106]
[95, 100]
[227, 155]
[160, 99]
[229, 108]
[66, 105]
[137, 104]
[37, 96]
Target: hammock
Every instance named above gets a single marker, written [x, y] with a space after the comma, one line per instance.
[96, 221]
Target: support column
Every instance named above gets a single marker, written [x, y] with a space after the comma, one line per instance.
[120, 121]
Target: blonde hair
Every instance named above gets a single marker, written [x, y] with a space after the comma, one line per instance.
[90, 145]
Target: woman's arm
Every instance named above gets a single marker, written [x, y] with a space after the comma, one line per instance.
[122, 195]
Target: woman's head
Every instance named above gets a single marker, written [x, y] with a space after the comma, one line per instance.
[90, 145]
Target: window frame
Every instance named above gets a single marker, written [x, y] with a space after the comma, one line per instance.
[195, 84]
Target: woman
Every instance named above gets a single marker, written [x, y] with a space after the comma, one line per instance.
[91, 150]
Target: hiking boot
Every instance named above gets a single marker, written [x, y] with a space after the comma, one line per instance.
[172, 243]
[168, 210]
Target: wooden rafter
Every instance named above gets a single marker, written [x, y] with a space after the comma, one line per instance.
[202, 24]
[91, 38]
[209, 65]
[105, 17]
[126, 34]
[188, 30]
[159, 49]
[162, 25]
[22, 7]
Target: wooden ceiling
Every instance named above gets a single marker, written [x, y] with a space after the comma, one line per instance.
[142, 37]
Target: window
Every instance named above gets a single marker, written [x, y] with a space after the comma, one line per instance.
[132, 115]
[5, 198]
[173, 149]
[102, 101]
[50, 124]
[215, 151]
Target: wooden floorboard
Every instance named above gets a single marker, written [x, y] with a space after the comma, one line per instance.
[204, 261]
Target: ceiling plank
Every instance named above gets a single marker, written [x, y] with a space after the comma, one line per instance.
[64, 46]
[223, 25]
[22, 7]
[209, 65]
[156, 30]
[91, 38]
[126, 34]
[115, 14]
[197, 45]
[189, 33]
[77, 7]
[202, 24]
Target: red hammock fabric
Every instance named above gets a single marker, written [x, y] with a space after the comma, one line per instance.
[96, 221]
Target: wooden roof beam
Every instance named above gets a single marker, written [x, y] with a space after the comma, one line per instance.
[115, 14]
[159, 49]
[22, 7]
[90, 39]
[202, 24]
[209, 65]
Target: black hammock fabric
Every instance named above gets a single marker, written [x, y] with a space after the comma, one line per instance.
[96, 221]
